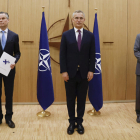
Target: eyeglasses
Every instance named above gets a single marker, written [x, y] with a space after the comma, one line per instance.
[76, 18]
[3, 18]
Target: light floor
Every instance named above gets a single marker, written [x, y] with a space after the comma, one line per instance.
[116, 122]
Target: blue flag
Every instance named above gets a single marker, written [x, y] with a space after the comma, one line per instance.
[95, 85]
[45, 92]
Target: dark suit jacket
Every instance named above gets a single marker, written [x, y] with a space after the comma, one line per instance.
[71, 57]
[11, 47]
[137, 53]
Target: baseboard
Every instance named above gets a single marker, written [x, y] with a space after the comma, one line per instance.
[63, 103]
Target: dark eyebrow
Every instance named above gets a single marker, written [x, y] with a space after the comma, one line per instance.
[79, 17]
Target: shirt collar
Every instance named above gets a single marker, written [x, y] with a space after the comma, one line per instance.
[77, 30]
[6, 30]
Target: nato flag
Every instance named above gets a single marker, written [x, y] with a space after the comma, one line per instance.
[95, 85]
[45, 92]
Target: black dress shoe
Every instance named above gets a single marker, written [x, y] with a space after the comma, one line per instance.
[10, 123]
[70, 129]
[80, 129]
[138, 119]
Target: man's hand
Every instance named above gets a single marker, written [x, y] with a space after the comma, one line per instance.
[12, 66]
[90, 75]
[65, 76]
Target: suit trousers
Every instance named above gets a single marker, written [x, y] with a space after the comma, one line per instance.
[8, 86]
[76, 87]
[138, 94]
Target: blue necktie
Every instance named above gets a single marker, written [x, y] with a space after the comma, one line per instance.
[3, 40]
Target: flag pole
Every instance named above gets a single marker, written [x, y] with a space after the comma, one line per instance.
[93, 111]
[43, 113]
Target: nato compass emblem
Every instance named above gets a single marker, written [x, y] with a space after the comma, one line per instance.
[98, 64]
[44, 56]
[5, 62]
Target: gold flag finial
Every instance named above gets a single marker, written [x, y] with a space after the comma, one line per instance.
[43, 8]
[96, 10]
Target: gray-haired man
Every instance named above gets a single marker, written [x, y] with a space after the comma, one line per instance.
[77, 65]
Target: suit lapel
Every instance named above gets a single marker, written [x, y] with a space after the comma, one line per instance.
[0, 46]
[73, 38]
[83, 38]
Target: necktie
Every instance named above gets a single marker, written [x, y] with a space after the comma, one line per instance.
[3, 40]
[79, 40]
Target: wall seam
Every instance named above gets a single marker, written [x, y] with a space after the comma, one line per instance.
[7, 5]
[126, 54]
[49, 15]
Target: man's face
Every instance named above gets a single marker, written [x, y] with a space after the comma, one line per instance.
[3, 21]
[78, 20]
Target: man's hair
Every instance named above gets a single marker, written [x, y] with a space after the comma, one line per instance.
[7, 16]
[78, 11]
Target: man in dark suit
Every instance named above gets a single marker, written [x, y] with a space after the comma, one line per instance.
[77, 65]
[137, 55]
[9, 43]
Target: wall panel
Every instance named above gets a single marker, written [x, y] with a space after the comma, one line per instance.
[118, 61]
[3, 7]
[25, 19]
[133, 30]
[112, 21]
[61, 12]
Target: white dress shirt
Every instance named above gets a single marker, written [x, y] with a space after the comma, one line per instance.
[6, 33]
[77, 33]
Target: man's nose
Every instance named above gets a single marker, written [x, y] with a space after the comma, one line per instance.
[78, 19]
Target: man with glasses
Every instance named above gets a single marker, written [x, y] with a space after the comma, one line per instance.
[9, 43]
[77, 65]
